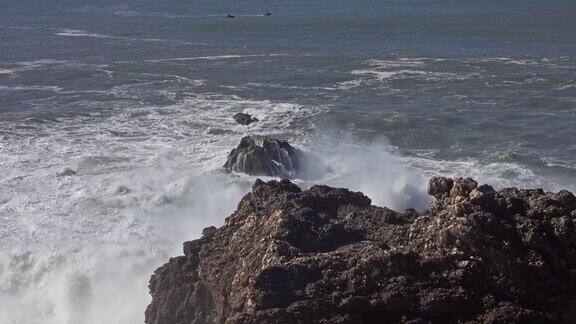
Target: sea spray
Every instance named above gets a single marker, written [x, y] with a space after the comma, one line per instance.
[104, 280]
[375, 169]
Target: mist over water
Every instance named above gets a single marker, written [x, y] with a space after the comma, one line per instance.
[115, 119]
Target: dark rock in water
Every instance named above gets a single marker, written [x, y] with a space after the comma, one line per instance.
[244, 119]
[265, 156]
[325, 255]
[122, 190]
[219, 131]
[66, 172]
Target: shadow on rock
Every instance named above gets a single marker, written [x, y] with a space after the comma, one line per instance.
[326, 255]
[273, 157]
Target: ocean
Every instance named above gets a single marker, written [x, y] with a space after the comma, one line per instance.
[116, 117]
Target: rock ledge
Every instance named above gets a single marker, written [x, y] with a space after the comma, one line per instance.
[326, 255]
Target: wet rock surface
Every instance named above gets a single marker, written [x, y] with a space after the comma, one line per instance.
[244, 119]
[265, 156]
[326, 255]
[66, 172]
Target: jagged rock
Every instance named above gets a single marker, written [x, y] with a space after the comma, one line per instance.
[462, 187]
[439, 187]
[326, 255]
[265, 156]
[244, 119]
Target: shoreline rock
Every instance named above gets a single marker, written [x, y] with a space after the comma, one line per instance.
[265, 156]
[326, 255]
[66, 172]
[244, 119]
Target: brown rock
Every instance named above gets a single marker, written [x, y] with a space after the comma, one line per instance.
[462, 187]
[325, 255]
[439, 187]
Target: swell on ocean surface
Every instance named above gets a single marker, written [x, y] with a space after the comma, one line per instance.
[113, 133]
[86, 34]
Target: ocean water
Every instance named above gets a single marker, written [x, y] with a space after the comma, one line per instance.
[115, 117]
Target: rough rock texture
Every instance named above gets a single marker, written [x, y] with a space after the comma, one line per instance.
[326, 255]
[244, 119]
[265, 156]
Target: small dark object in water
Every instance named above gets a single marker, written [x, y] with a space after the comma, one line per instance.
[122, 190]
[66, 172]
[244, 119]
[230, 16]
[268, 13]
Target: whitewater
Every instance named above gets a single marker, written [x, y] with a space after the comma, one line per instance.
[91, 205]
[116, 120]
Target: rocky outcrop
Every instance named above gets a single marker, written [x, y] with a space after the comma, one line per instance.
[265, 156]
[244, 119]
[326, 255]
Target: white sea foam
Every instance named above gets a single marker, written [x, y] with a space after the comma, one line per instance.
[6, 71]
[17, 27]
[374, 170]
[32, 88]
[85, 34]
[382, 72]
[567, 86]
[18, 68]
[286, 86]
[431, 69]
[554, 162]
[94, 261]
[73, 244]
[402, 62]
[49, 88]
[409, 74]
[397, 181]
[497, 174]
[347, 85]
[81, 33]
[80, 246]
[14, 69]
[216, 57]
